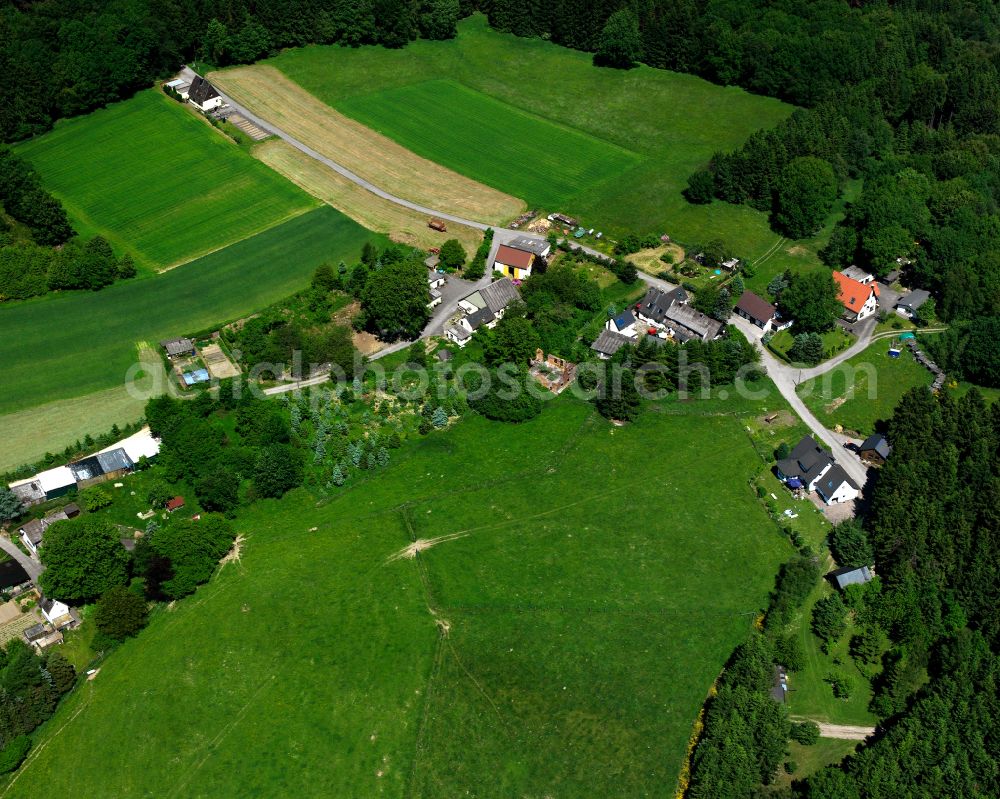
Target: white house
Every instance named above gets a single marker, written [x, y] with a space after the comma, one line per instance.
[624, 323]
[435, 279]
[836, 487]
[910, 304]
[55, 612]
[436, 298]
[860, 300]
[484, 307]
[203, 95]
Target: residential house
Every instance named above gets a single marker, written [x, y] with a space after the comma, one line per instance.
[909, 304]
[178, 348]
[203, 95]
[851, 575]
[485, 306]
[756, 309]
[624, 323]
[860, 300]
[685, 323]
[435, 279]
[652, 309]
[608, 343]
[56, 613]
[33, 532]
[836, 487]
[858, 274]
[874, 450]
[540, 247]
[513, 263]
[805, 465]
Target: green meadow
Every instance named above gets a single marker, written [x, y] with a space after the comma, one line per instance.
[495, 143]
[157, 181]
[674, 122]
[80, 343]
[559, 642]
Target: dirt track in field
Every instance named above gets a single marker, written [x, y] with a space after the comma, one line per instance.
[268, 93]
[375, 213]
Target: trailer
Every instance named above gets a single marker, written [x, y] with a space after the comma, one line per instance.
[437, 224]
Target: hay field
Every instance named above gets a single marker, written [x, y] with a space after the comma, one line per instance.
[376, 158]
[370, 210]
[159, 182]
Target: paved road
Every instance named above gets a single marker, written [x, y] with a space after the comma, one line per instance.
[785, 378]
[31, 566]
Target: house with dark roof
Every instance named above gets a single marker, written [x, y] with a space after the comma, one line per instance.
[851, 575]
[623, 323]
[42, 636]
[909, 304]
[685, 323]
[835, 486]
[874, 450]
[805, 465]
[756, 309]
[540, 247]
[203, 95]
[858, 274]
[608, 343]
[99, 468]
[860, 300]
[33, 532]
[652, 309]
[513, 262]
[178, 347]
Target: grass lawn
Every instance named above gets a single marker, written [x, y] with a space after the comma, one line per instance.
[864, 390]
[560, 643]
[674, 122]
[834, 341]
[159, 182]
[810, 759]
[546, 163]
[84, 343]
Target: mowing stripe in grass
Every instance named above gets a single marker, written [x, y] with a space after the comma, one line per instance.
[159, 182]
[80, 343]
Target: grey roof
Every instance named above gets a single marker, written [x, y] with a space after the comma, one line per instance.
[431, 261]
[479, 318]
[499, 294]
[201, 90]
[46, 604]
[656, 303]
[856, 273]
[114, 460]
[852, 575]
[833, 480]
[806, 461]
[36, 631]
[624, 319]
[177, 346]
[876, 443]
[914, 299]
[609, 342]
[459, 332]
[34, 531]
[693, 321]
[445, 355]
[435, 294]
[72, 509]
[530, 244]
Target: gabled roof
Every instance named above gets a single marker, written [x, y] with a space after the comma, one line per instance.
[539, 247]
[499, 294]
[756, 307]
[851, 575]
[807, 460]
[458, 332]
[696, 322]
[835, 477]
[114, 460]
[853, 295]
[609, 342]
[857, 273]
[479, 318]
[624, 319]
[656, 302]
[177, 346]
[876, 443]
[508, 256]
[175, 503]
[201, 91]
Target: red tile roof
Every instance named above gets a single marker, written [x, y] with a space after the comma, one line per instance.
[175, 503]
[508, 256]
[853, 294]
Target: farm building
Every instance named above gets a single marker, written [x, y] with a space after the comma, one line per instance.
[436, 298]
[203, 95]
[756, 309]
[178, 347]
[540, 247]
[45, 485]
[435, 279]
[874, 450]
[41, 636]
[851, 575]
[175, 504]
[513, 263]
[608, 343]
[909, 304]
[860, 300]
[181, 86]
[624, 323]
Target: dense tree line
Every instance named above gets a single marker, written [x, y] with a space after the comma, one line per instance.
[970, 352]
[68, 57]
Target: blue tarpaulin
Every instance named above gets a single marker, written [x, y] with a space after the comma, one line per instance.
[794, 483]
[197, 376]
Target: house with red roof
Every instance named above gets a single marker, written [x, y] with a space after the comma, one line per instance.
[860, 300]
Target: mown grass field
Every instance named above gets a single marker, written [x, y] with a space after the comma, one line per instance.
[71, 345]
[675, 122]
[560, 644]
[865, 389]
[159, 182]
[492, 141]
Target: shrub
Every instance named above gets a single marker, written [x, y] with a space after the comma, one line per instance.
[95, 498]
[120, 613]
[13, 753]
[840, 683]
[805, 733]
